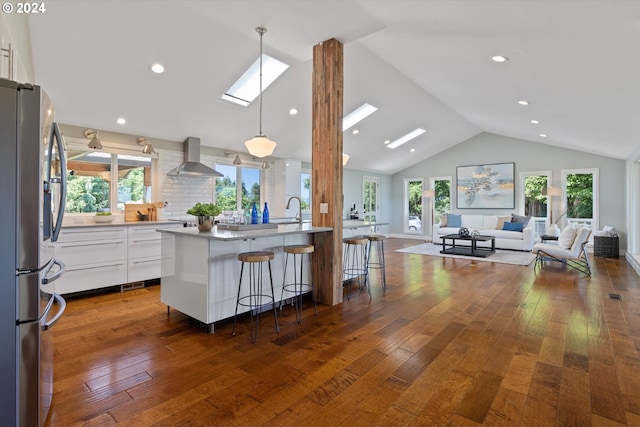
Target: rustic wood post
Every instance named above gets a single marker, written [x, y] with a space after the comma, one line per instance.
[326, 164]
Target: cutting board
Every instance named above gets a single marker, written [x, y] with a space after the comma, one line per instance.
[131, 211]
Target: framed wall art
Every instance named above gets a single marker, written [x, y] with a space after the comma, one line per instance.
[489, 186]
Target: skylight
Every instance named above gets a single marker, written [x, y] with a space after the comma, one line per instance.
[406, 138]
[358, 114]
[247, 87]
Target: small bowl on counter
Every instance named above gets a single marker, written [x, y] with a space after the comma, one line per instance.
[103, 218]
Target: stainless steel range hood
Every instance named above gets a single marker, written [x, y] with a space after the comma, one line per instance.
[191, 165]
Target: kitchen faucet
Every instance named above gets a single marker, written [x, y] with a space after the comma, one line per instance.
[299, 215]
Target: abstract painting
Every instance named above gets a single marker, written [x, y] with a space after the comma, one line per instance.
[488, 186]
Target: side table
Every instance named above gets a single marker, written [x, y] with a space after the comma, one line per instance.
[546, 237]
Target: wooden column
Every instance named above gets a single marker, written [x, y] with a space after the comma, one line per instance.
[326, 164]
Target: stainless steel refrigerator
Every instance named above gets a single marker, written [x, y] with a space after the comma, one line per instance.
[32, 196]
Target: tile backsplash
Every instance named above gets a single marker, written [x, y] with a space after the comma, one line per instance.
[183, 192]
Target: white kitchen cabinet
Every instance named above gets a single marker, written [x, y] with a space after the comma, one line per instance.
[109, 255]
[94, 257]
[143, 249]
[200, 275]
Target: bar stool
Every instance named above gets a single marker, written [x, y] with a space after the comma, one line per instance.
[297, 287]
[255, 299]
[376, 247]
[354, 261]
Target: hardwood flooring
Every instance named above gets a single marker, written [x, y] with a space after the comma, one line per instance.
[451, 342]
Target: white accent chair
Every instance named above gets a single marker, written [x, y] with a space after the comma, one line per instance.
[574, 256]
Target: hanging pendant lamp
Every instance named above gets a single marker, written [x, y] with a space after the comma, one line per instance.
[260, 145]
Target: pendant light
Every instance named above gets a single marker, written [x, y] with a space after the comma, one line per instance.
[260, 145]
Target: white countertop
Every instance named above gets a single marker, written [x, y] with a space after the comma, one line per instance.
[228, 235]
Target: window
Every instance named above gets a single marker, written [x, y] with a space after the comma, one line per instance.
[441, 203]
[134, 180]
[412, 205]
[91, 174]
[532, 202]
[230, 195]
[370, 187]
[580, 204]
[305, 189]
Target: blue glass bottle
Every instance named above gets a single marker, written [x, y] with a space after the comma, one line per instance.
[254, 214]
[265, 214]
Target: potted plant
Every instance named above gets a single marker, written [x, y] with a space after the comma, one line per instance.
[204, 212]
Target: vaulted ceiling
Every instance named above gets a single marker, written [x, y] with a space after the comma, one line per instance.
[422, 63]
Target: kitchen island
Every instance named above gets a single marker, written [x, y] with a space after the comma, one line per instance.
[200, 271]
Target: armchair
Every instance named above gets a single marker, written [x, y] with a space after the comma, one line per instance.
[575, 256]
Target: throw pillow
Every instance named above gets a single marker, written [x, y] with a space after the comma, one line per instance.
[454, 220]
[443, 220]
[567, 237]
[512, 226]
[524, 220]
[501, 221]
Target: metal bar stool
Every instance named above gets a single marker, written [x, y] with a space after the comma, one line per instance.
[354, 262]
[297, 287]
[255, 299]
[376, 247]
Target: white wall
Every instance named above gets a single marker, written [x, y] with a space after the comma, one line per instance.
[14, 30]
[352, 192]
[527, 156]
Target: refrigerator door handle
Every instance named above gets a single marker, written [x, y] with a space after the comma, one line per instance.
[52, 229]
[63, 306]
[46, 278]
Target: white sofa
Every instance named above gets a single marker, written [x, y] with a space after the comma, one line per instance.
[487, 225]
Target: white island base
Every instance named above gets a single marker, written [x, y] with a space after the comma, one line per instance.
[200, 271]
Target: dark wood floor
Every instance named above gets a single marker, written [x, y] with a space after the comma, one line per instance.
[451, 342]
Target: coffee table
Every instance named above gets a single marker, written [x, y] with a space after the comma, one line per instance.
[472, 250]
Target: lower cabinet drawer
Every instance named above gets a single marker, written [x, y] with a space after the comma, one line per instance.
[146, 268]
[144, 248]
[97, 251]
[94, 276]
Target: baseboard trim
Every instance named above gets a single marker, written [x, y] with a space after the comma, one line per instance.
[633, 262]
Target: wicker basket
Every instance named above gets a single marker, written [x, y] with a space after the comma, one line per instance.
[606, 246]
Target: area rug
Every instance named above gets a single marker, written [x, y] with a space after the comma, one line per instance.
[501, 256]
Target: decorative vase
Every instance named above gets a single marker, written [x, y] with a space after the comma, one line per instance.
[552, 230]
[205, 223]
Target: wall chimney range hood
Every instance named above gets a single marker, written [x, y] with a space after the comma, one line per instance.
[191, 165]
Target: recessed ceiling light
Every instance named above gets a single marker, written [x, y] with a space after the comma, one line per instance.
[121, 120]
[412, 150]
[543, 135]
[355, 131]
[293, 111]
[157, 68]
[406, 138]
[386, 142]
[358, 114]
[247, 87]
[499, 58]
[523, 102]
[535, 122]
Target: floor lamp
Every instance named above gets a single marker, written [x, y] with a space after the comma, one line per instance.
[429, 194]
[552, 192]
